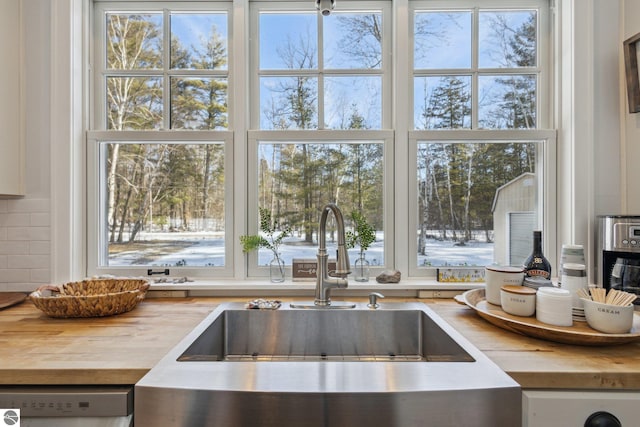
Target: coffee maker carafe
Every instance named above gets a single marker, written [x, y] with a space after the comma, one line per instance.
[619, 253]
[625, 276]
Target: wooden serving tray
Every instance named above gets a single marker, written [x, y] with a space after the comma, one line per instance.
[580, 333]
[7, 299]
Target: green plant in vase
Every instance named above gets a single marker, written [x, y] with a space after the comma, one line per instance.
[269, 239]
[363, 235]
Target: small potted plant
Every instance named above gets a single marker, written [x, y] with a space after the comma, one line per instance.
[363, 235]
[268, 239]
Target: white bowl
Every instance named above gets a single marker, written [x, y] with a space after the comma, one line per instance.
[608, 318]
[497, 276]
[518, 300]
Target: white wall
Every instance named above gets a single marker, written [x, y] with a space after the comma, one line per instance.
[607, 49]
[631, 123]
[25, 229]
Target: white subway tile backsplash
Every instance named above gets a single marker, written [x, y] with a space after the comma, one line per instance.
[28, 233]
[39, 219]
[21, 287]
[25, 244]
[8, 247]
[39, 247]
[28, 205]
[39, 233]
[40, 275]
[12, 275]
[17, 233]
[27, 261]
[14, 220]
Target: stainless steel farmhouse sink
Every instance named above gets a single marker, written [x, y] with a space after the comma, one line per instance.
[399, 365]
[315, 335]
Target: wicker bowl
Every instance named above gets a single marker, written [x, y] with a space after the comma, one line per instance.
[90, 298]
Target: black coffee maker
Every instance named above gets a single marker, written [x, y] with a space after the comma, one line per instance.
[619, 253]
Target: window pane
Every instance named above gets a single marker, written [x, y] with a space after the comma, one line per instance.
[288, 41]
[442, 102]
[297, 180]
[468, 194]
[134, 42]
[353, 102]
[288, 103]
[353, 40]
[134, 103]
[164, 204]
[507, 39]
[199, 41]
[507, 102]
[442, 40]
[198, 103]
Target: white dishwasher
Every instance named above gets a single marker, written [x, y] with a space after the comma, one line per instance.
[577, 408]
[68, 406]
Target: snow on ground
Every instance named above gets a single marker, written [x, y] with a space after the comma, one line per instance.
[207, 249]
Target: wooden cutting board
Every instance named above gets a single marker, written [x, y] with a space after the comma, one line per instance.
[7, 299]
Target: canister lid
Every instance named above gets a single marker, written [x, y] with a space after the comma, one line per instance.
[505, 268]
[517, 289]
[536, 282]
[554, 292]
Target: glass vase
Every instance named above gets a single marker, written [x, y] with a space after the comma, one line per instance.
[361, 270]
[276, 269]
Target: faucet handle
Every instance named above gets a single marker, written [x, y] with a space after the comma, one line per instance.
[373, 299]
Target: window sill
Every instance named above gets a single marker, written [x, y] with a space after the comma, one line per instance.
[417, 288]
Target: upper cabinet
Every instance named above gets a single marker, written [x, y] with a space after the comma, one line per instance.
[12, 143]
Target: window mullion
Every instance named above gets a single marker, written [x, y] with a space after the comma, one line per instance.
[321, 74]
[166, 64]
[475, 54]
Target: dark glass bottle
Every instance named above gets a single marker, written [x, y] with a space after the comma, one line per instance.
[536, 264]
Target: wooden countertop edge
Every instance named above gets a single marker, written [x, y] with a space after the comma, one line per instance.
[527, 380]
[578, 381]
[116, 376]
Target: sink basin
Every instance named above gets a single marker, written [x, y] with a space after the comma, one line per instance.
[400, 365]
[329, 335]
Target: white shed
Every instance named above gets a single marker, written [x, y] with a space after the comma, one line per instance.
[514, 219]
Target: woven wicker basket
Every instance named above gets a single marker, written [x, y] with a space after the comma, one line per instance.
[90, 298]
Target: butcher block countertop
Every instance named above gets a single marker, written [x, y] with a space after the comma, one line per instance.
[36, 349]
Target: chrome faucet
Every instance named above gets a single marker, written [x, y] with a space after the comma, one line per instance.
[324, 283]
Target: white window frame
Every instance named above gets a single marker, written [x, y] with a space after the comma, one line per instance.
[255, 136]
[99, 60]
[309, 6]
[96, 231]
[323, 137]
[541, 70]
[546, 153]
[545, 174]
[399, 198]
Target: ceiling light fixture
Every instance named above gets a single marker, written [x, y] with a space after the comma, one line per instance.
[325, 6]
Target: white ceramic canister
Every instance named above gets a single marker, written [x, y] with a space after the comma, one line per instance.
[553, 306]
[570, 254]
[496, 276]
[518, 300]
[574, 278]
